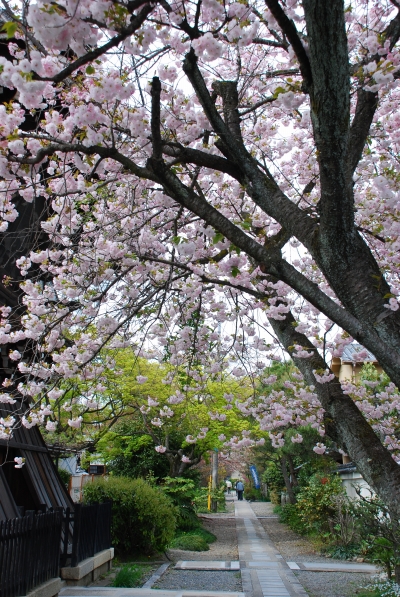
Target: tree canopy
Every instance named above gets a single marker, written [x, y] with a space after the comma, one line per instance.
[215, 178]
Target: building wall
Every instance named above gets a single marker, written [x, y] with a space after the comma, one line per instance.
[353, 481]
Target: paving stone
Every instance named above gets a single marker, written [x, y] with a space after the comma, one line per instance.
[206, 565]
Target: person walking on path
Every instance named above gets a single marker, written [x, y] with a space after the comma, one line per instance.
[239, 490]
[228, 486]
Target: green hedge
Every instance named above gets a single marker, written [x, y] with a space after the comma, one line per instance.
[144, 518]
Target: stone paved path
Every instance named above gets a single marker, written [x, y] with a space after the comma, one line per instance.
[264, 572]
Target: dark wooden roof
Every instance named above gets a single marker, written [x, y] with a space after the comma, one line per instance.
[37, 485]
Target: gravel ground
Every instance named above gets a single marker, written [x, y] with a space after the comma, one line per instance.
[225, 548]
[200, 580]
[295, 548]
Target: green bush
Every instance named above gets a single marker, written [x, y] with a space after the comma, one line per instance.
[128, 577]
[315, 502]
[182, 492]
[344, 552]
[65, 476]
[207, 536]
[144, 518]
[379, 532]
[315, 509]
[190, 543]
[253, 494]
[196, 540]
[291, 515]
[201, 499]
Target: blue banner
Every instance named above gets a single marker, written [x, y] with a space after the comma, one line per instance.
[254, 474]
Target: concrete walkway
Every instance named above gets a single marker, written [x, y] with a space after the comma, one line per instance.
[264, 572]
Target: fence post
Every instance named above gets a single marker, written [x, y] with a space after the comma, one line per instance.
[76, 535]
[65, 520]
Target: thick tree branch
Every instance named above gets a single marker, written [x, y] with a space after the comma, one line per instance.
[155, 118]
[263, 190]
[291, 33]
[270, 42]
[227, 90]
[186, 155]
[374, 461]
[367, 104]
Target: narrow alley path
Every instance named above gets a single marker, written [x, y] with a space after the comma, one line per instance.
[264, 572]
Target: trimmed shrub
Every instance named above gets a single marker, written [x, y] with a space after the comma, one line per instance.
[190, 543]
[196, 540]
[144, 518]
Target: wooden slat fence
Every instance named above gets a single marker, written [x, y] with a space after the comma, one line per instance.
[92, 530]
[86, 531]
[29, 552]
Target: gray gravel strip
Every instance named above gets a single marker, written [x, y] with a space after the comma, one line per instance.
[200, 580]
[332, 584]
[295, 548]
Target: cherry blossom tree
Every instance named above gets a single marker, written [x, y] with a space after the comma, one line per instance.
[244, 198]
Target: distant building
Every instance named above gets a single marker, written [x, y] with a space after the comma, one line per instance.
[348, 366]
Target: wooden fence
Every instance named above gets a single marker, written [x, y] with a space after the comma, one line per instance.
[86, 531]
[34, 547]
[29, 552]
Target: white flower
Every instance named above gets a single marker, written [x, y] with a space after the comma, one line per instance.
[6, 399]
[51, 426]
[19, 462]
[325, 377]
[141, 379]
[319, 448]
[160, 449]
[156, 422]
[75, 423]
[185, 459]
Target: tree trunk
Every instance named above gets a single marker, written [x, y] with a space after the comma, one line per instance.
[372, 459]
[295, 482]
[397, 573]
[288, 485]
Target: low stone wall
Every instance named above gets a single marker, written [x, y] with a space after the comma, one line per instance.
[51, 588]
[88, 570]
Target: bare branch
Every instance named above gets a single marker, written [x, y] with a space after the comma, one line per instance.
[267, 100]
[136, 22]
[270, 42]
[290, 31]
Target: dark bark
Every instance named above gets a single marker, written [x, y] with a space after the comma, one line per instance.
[288, 485]
[293, 475]
[373, 460]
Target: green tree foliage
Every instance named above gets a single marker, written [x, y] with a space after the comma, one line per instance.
[145, 390]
